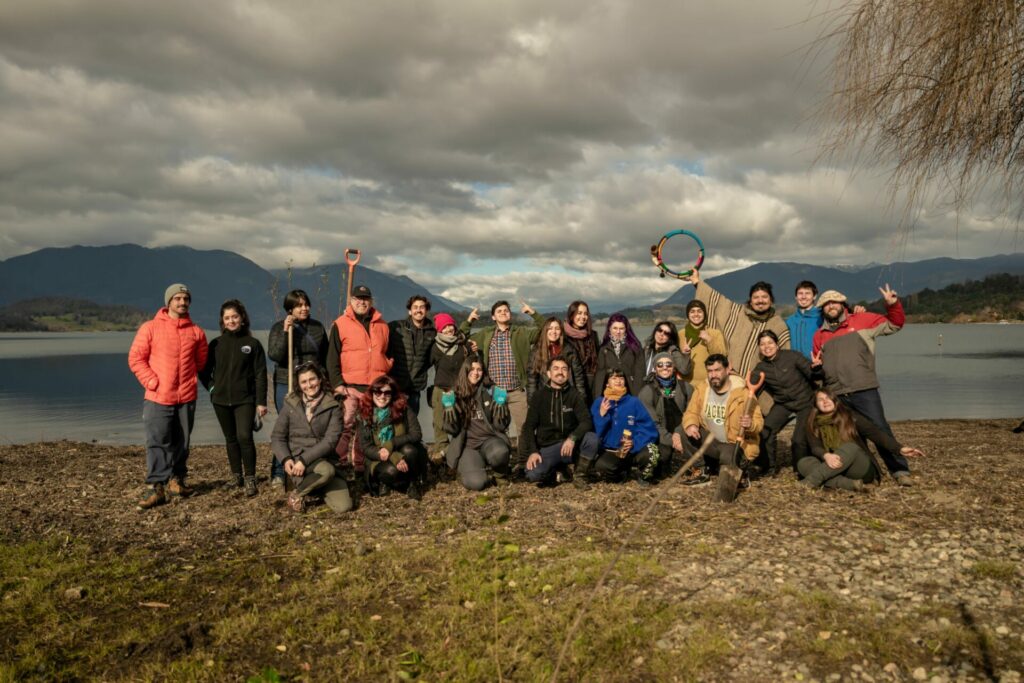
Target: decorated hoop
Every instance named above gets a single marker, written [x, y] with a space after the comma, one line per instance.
[665, 270]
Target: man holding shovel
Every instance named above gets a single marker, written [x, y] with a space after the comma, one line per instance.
[718, 407]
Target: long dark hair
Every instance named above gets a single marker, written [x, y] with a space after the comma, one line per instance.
[242, 313]
[586, 349]
[843, 419]
[673, 336]
[465, 393]
[631, 341]
[398, 405]
[543, 346]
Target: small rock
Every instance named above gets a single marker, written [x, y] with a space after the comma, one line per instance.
[639, 661]
[376, 617]
[825, 635]
[1003, 630]
[307, 533]
[920, 674]
[75, 593]
[282, 648]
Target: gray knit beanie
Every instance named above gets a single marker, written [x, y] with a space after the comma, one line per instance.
[176, 288]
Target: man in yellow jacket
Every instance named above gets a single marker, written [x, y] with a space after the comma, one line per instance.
[716, 407]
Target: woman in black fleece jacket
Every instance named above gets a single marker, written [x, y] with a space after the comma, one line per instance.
[236, 377]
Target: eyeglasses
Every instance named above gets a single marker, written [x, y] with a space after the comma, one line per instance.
[382, 392]
[663, 365]
[662, 331]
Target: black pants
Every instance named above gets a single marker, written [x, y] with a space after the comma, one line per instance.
[774, 422]
[415, 456]
[236, 424]
[716, 453]
[610, 467]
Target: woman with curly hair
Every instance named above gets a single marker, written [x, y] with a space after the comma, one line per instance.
[620, 351]
[391, 439]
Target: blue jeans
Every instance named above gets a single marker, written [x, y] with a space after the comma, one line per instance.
[551, 457]
[869, 404]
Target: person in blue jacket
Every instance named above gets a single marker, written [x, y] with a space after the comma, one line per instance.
[627, 433]
[806, 320]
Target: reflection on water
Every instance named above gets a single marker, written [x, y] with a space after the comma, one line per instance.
[78, 385]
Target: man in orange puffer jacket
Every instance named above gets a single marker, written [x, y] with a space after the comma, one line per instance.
[356, 355]
[166, 356]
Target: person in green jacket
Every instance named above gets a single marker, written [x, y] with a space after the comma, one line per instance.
[504, 349]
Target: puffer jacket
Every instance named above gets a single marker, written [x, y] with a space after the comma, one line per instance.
[167, 356]
[694, 415]
[310, 340]
[848, 348]
[355, 356]
[307, 440]
[410, 363]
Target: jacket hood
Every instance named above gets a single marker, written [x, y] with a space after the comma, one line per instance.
[163, 315]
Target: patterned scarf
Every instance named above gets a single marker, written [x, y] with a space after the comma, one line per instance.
[617, 346]
[310, 405]
[448, 343]
[382, 419]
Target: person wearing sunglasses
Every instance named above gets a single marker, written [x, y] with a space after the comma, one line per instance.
[665, 397]
[663, 339]
[392, 441]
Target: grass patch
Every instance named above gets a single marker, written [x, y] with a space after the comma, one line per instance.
[998, 570]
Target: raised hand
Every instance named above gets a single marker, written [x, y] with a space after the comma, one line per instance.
[474, 315]
[605, 406]
[815, 359]
[888, 294]
[527, 308]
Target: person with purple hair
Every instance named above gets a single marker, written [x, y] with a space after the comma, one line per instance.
[620, 350]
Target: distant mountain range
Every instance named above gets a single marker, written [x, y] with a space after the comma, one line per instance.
[857, 285]
[131, 275]
[137, 276]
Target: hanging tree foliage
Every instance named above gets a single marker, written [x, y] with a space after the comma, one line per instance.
[936, 89]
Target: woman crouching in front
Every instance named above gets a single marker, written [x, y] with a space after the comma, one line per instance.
[392, 440]
[476, 416]
[628, 434]
[837, 438]
[304, 437]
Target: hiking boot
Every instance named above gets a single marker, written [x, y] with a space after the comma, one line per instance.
[233, 482]
[414, 492]
[744, 482]
[297, 502]
[177, 487]
[250, 487]
[696, 477]
[278, 485]
[153, 495]
[903, 479]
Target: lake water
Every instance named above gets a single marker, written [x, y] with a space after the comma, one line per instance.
[78, 385]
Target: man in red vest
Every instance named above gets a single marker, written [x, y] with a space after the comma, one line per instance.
[356, 356]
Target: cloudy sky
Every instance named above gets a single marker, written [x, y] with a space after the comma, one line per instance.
[528, 148]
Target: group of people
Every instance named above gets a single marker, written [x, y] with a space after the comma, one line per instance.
[545, 402]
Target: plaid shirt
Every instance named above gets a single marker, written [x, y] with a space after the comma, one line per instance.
[501, 364]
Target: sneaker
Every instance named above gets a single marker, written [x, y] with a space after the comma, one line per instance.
[903, 479]
[296, 502]
[250, 487]
[234, 482]
[696, 477]
[414, 492]
[744, 482]
[278, 485]
[177, 487]
[153, 495]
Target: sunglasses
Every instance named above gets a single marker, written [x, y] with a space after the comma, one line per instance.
[382, 392]
[664, 365]
[662, 330]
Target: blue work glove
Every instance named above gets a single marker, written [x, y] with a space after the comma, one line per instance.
[500, 396]
[448, 399]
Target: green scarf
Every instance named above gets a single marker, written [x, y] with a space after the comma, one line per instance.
[382, 418]
[828, 432]
[693, 333]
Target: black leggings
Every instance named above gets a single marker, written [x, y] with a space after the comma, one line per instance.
[236, 424]
[415, 456]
